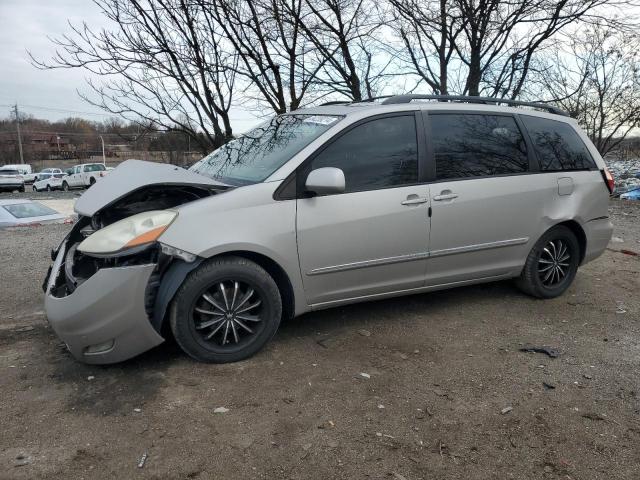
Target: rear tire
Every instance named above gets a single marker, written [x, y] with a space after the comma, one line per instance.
[48, 187]
[226, 310]
[21, 189]
[551, 265]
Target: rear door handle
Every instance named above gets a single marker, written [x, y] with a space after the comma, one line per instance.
[445, 196]
[415, 200]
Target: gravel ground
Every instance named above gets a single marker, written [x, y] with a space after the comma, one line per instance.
[448, 393]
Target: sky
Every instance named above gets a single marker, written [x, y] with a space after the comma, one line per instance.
[25, 25]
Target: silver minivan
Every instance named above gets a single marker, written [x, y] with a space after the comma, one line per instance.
[327, 206]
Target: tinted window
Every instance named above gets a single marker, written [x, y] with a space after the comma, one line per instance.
[557, 144]
[381, 153]
[96, 167]
[477, 145]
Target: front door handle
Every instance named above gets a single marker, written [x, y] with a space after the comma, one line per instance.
[445, 196]
[414, 200]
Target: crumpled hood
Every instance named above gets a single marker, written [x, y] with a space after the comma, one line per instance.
[132, 175]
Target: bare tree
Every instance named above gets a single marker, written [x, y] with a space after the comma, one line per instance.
[596, 78]
[428, 32]
[274, 55]
[163, 61]
[346, 35]
[491, 43]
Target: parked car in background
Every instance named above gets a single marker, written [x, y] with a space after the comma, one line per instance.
[49, 181]
[15, 212]
[322, 207]
[48, 172]
[83, 176]
[11, 180]
[23, 169]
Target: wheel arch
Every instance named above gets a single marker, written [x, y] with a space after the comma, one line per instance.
[580, 234]
[178, 271]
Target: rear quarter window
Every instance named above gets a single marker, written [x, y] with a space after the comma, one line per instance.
[558, 146]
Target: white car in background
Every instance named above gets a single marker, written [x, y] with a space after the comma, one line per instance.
[49, 179]
[24, 169]
[83, 176]
[11, 180]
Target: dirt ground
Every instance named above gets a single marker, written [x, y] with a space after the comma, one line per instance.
[447, 394]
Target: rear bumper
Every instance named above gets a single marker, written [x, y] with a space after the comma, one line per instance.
[7, 185]
[598, 233]
[104, 320]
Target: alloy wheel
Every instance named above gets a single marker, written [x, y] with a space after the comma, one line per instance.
[554, 262]
[228, 313]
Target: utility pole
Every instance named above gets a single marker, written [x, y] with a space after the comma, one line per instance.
[104, 161]
[15, 110]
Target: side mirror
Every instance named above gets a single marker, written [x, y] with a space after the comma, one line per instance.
[325, 181]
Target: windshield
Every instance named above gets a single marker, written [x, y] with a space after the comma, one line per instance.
[26, 210]
[9, 172]
[255, 155]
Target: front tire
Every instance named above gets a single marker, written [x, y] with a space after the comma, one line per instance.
[34, 188]
[65, 186]
[226, 310]
[551, 265]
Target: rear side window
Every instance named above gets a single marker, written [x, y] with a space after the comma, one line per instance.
[468, 145]
[558, 145]
[381, 153]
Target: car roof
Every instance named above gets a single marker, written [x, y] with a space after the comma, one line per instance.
[475, 106]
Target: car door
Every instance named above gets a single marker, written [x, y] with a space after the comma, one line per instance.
[76, 177]
[373, 238]
[486, 197]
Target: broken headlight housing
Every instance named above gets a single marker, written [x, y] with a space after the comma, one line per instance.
[135, 231]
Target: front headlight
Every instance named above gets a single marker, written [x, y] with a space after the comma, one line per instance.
[130, 232]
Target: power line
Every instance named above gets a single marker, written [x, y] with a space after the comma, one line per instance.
[61, 110]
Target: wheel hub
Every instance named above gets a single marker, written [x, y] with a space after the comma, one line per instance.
[553, 263]
[229, 312]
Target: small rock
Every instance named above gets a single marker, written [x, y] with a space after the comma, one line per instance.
[332, 444]
[404, 356]
[137, 410]
[439, 392]
[90, 377]
[506, 410]
[548, 386]
[617, 240]
[364, 375]
[306, 446]
[364, 333]
[588, 377]
[416, 351]
[397, 476]
[548, 469]
[220, 410]
[381, 407]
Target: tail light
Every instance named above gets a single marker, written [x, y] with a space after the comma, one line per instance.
[608, 179]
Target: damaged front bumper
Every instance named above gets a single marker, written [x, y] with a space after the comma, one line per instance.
[104, 319]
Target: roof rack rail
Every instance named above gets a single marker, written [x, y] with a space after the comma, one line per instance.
[335, 102]
[350, 102]
[395, 99]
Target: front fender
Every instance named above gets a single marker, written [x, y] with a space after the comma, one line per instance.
[246, 219]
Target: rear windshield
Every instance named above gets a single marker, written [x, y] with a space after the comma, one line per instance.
[252, 157]
[94, 168]
[27, 210]
[9, 172]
